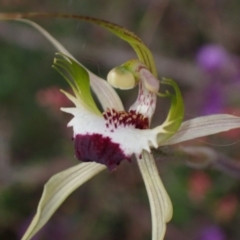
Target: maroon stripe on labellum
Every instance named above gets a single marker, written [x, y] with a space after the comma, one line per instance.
[96, 148]
[115, 118]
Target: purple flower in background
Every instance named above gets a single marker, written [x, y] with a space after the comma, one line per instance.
[218, 63]
[212, 57]
[214, 60]
[222, 70]
[212, 233]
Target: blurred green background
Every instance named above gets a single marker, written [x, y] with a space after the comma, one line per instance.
[195, 42]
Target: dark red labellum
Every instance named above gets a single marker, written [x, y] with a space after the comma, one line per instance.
[96, 148]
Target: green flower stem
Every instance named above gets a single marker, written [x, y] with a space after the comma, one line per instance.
[160, 203]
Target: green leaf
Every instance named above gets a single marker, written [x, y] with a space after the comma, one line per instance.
[175, 115]
[143, 53]
[79, 82]
[160, 203]
[57, 189]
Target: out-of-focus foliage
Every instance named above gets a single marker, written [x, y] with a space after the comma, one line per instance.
[197, 43]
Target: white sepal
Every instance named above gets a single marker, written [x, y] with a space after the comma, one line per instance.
[160, 203]
[203, 126]
[57, 189]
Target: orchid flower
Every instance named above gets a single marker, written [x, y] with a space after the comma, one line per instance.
[105, 138]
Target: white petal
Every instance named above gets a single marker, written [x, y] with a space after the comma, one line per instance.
[57, 189]
[160, 203]
[204, 126]
[104, 92]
